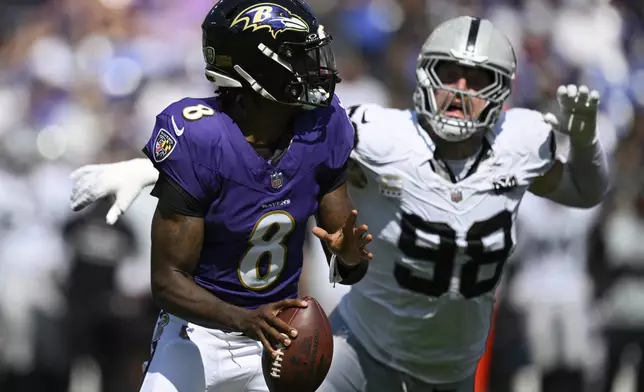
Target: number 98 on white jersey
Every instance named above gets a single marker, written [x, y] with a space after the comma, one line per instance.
[439, 246]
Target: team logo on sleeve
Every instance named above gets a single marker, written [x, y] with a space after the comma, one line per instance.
[504, 184]
[272, 17]
[163, 145]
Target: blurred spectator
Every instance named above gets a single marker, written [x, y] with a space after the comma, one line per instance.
[357, 86]
[33, 348]
[552, 290]
[104, 324]
[618, 262]
[82, 81]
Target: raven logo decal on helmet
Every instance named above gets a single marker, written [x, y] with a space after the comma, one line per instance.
[275, 18]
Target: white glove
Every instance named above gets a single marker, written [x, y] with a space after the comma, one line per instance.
[578, 117]
[125, 180]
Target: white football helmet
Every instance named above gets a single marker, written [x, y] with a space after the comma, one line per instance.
[472, 42]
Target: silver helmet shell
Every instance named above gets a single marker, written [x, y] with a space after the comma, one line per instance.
[471, 42]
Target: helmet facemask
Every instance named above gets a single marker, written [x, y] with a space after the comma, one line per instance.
[312, 72]
[453, 128]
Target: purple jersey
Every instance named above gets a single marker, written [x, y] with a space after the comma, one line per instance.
[256, 223]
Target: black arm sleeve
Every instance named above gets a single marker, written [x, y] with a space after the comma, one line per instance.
[349, 275]
[352, 275]
[175, 198]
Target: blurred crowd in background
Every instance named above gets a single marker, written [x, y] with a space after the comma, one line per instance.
[81, 81]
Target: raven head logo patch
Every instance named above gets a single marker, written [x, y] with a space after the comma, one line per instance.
[272, 17]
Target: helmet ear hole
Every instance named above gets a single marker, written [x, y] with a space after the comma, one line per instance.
[285, 52]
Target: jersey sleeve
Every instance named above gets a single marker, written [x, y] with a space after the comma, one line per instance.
[173, 197]
[343, 131]
[374, 138]
[334, 173]
[535, 137]
[174, 150]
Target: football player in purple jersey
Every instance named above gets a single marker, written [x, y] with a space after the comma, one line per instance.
[240, 174]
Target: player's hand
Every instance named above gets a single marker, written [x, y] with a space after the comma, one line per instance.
[578, 118]
[349, 243]
[124, 180]
[263, 324]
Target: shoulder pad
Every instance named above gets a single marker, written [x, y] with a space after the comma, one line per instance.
[192, 113]
[380, 133]
[182, 144]
[343, 134]
[526, 133]
[195, 122]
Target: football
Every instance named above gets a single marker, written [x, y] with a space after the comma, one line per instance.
[305, 363]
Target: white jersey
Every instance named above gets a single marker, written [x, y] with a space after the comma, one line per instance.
[439, 247]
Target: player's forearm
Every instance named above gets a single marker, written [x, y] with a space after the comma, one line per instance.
[588, 168]
[333, 211]
[582, 181]
[177, 293]
[342, 273]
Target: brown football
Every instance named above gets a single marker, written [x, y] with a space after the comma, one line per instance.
[304, 364]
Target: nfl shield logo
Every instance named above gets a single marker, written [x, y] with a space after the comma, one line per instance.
[277, 180]
[456, 196]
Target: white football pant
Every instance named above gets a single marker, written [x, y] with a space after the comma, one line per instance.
[354, 370]
[190, 358]
[559, 335]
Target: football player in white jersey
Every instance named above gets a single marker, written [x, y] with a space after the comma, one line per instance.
[441, 185]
